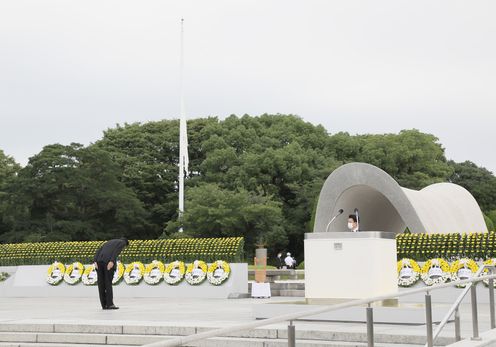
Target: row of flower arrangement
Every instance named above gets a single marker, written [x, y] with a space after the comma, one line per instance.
[438, 270]
[153, 273]
[188, 249]
[448, 246]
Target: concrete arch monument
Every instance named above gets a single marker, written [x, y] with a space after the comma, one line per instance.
[386, 206]
[385, 209]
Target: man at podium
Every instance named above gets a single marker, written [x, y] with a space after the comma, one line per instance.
[352, 223]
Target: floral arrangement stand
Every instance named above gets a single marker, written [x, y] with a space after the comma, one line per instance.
[341, 266]
[260, 289]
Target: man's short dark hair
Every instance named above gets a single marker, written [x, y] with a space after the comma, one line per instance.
[352, 216]
[125, 240]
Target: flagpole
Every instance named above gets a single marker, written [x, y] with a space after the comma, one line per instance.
[183, 134]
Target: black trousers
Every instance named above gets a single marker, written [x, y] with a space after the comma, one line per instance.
[105, 284]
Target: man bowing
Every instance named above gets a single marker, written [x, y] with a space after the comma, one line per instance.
[105, 263]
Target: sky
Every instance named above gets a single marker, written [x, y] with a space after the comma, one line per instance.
[71, 69]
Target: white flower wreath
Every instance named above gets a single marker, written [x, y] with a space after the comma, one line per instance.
[463, 269]
[196, 272]
[174, 272]
[134, 272]
[154, 272]
[435, 271]
[486, 272]
[118, 274]
[73, 273]
[55, 273]
[408, 272]
[218, 272]
[90, 276]
[4, 276]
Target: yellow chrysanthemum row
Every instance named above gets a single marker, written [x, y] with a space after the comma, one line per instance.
[229, 248]
[451, 246]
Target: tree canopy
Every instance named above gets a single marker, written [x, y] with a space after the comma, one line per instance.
[70, 193]
[257, 177]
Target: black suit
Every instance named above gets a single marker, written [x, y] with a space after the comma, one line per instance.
[108, 252]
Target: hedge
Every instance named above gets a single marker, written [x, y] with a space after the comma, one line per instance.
[187, 249]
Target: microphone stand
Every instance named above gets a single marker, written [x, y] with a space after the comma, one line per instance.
[333, 218]
[358, 220]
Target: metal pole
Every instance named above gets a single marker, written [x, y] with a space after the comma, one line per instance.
[428, 319]
[183, 134]
[475, 318]
[291, 335]
[458, 335]
[370, 326]
[491, 303]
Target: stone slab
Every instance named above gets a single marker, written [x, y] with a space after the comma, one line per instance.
[158, 330]
[135, 340]
[487, 338]
[17, 337]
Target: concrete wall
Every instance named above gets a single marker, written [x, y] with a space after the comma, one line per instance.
[30, 281]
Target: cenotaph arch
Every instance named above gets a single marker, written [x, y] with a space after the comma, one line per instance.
[341, 265]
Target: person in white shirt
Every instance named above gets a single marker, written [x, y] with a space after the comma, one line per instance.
[288, 260]
[352, 223]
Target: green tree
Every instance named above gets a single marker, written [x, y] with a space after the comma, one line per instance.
[489, 223]
[262, 174]
[479, 181]
[492, 215]
[72, 193]
[413, 158]
[276, 156]
[147, 155]
[211, 211]
[8, 172]
[8, 168]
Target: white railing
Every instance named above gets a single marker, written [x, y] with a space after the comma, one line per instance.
[454, 308]
[291, 317]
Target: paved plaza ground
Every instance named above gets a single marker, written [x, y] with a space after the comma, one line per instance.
[192, 312]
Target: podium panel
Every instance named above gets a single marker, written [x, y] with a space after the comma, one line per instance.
[346, 265]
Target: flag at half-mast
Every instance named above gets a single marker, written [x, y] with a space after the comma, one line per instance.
[183, 133]
[183, 146]
[183, 136]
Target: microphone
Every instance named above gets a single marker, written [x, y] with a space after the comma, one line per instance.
[333, 218]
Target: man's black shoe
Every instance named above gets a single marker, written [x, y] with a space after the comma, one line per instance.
[113, 307]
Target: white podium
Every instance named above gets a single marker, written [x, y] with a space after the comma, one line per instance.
[342, 266]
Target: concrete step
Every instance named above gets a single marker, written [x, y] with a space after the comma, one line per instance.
[34, 344]
[284, 285]
[81, 338]
[292, 293]
[290, 289]
[217, 342]
[287, 285]
[242, 342]
[141, 334]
